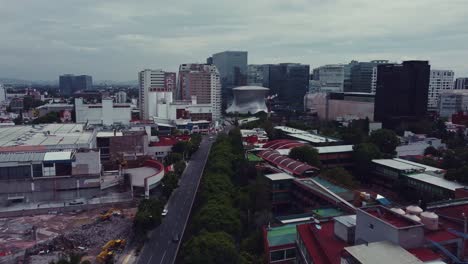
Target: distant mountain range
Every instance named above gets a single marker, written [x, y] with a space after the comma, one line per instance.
[13, 81]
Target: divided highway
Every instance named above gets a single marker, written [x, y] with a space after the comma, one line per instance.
[161, 247]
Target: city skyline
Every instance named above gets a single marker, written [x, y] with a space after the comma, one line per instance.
[113, 40]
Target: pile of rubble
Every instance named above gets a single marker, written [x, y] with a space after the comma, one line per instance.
[87, 239]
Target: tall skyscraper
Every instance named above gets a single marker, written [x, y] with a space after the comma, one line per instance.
[331, 77]
[461, 83]
[362, 76]
[2, 93]
[232, 67]
[69, 83]
[154, 84]
[255, 74]
[66, 84]
[83, 82]
[290, 81]
[402, 92]
[202, 81]
[440, 80]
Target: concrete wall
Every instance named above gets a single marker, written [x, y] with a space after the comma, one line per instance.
[338, 108]
[86, 163]
[50, 189]
[371, 229]
[104, 113]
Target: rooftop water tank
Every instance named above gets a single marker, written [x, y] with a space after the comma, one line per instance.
[398, 211]
[414, 210]
[430, 220]
[413, 217]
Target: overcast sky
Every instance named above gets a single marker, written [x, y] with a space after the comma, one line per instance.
[114, 39]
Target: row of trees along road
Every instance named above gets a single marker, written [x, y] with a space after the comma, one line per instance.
[225, 224]
[149, 211]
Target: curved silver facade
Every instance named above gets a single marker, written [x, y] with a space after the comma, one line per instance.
[249, 99]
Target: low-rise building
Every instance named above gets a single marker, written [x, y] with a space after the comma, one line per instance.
[415, 144]
[311, 138]
[105, 113]
[416, 178]
[340, 106]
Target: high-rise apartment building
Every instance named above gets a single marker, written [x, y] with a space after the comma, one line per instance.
[440, 80]
[121, 97]
[2, 93]
[363, 76]
[461, 83]
[232, 67]
[69, 83]
[155, 85]
[202, 81]
[289, 81]
[402, 92]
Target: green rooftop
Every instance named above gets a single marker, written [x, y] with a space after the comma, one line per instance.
[330, 186]
[281, 235]
[253, 158]
[327, 212]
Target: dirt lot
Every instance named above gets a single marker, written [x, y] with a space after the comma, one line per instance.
[83, 232]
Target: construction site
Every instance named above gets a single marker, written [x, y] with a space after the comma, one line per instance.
[98, 235]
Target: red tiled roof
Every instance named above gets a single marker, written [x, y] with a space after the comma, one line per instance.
[295, 167]
[169, 140]
[322, 244]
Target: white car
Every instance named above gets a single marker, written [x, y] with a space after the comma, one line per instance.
[164, 212]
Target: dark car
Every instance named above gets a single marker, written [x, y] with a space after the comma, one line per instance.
[176, 238]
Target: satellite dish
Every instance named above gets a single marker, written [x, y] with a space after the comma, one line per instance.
[318, 227]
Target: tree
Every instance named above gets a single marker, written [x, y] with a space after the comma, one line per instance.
[170, 181]
[51, 117]
[363, 155]
[305, 154]
[386, 140]
[172, 158]
[340, 176]
[210, 248]
[431, 151]
[179, 167]
[218, 216]
[147, 217]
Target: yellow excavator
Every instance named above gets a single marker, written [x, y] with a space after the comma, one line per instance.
[109, 213]
[108, 250]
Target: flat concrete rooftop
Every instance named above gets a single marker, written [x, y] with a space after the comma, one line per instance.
[47, 136]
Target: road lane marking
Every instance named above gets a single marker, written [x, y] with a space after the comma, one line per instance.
[149, 260]
[163, 257]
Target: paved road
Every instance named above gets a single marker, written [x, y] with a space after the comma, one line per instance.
[161, 248]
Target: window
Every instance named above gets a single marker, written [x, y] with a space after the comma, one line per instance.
[277, 255]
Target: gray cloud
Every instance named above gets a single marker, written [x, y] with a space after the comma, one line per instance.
[113, 39]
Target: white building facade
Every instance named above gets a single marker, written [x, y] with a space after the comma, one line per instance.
[440, 80]
[332, 78]
[152, 82]
[121, 97]
[106, 113]
[452, 102]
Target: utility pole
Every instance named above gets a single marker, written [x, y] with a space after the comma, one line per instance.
[464, 237]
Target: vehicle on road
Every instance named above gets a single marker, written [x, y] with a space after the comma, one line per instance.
[77, 202]
[176, 238]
